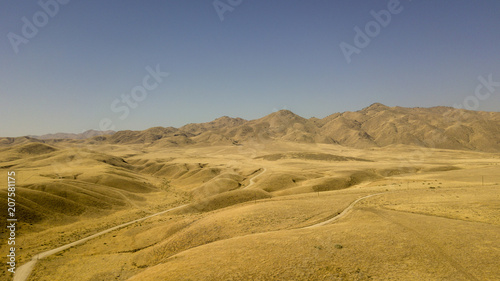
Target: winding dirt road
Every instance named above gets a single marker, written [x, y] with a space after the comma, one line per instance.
[339, 216]
[344, 212]
[253, 178]
[24, 271]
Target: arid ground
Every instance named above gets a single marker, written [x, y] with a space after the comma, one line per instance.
[435, 214]
[384, 193]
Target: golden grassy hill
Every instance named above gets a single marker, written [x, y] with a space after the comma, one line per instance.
[65, 183]
[251, 187]
[246, 207]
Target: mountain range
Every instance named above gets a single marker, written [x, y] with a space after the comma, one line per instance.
[374, 126]
[85, 135]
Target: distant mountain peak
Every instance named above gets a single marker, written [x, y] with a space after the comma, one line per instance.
[376, 106]
[282, 116]
[284, 113]
[227, 119]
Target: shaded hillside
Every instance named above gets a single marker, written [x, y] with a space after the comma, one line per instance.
[58, 184]
[439, 127]
[221, 123]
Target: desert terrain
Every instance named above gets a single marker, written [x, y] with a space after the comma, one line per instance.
[378, 194]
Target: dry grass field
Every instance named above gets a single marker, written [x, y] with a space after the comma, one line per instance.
[249, 211]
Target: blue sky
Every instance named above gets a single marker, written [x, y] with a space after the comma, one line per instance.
[264, 56]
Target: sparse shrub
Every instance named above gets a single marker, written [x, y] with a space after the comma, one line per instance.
[165, 185]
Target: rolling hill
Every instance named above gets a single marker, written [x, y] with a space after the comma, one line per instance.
[262, 184]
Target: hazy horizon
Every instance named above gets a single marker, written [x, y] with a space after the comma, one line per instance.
[66, 66]
[141, 129]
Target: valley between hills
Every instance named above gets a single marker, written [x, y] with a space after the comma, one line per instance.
[384, 193]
